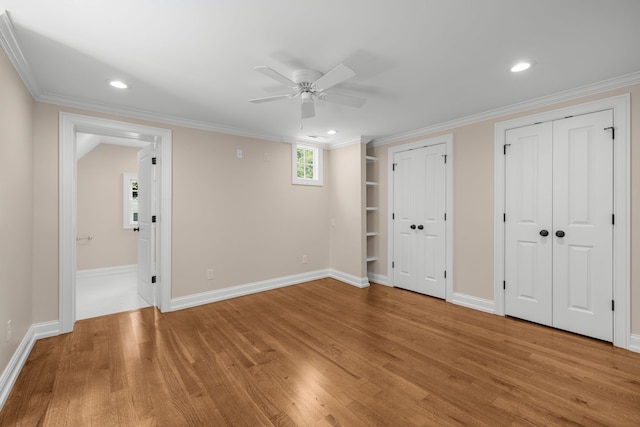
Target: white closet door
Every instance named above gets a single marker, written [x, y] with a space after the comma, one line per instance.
[582, 210]
[528, 205]
[419, 225]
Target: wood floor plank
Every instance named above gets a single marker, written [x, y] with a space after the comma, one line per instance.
[325, 354]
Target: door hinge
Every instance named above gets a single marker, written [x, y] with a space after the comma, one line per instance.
[445, 158]
[613, 305]
[613, 131]
[153, 279]
[153, 160]
[393, 216]
[394, 166]
[153, 218]
[613, 219]
[393, 264]
[504, 149]
[504, 217]
[445, 216]
[445, 274]
[504, 284]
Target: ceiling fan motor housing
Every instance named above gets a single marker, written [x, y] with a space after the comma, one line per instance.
[305, 78]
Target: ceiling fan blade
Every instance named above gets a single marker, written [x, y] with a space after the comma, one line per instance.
[270, 72]
[351, 101]
[308, 110]
[271, 98]
[336, 75]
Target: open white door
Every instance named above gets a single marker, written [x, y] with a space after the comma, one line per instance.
[146, 224]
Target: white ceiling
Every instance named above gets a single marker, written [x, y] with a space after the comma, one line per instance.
[419, 63]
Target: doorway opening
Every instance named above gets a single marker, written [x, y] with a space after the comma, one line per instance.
[70, 126]
[107, 210]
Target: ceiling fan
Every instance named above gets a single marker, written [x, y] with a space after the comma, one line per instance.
[310, 84]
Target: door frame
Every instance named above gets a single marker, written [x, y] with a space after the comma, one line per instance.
[622, 204]
[70, 124]
[447, 140]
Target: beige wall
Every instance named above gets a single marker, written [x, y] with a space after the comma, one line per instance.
[347, 218]
[16, 208]
[99, 209]
[241, 216]
[473, 202]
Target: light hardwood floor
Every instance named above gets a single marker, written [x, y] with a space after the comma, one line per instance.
[323, 353]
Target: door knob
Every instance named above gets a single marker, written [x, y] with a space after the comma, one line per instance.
[412, 226]
[136, 228]
[420, 227]
[560, 233]
[544, 233]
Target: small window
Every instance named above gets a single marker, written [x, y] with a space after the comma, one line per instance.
[307, 164]
[129, 200]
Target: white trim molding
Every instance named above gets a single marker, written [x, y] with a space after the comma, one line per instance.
[476, 303]
[208, 297]
[358, 282]
[17, 361]
[106, 271]
[379, 279]
[544, 101]
[70, 124]
[448, 141]
[622, 204]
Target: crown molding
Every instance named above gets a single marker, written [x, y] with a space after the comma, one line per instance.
[566, 95]
[348, 142]
[9, 44]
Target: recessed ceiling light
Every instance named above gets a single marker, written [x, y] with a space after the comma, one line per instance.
[332, 132]
[118, 84]
[520, 66]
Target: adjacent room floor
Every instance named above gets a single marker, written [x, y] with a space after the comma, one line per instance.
[107, 294]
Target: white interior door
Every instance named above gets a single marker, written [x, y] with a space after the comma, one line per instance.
[419, 224]
[146, 235]
[558, 224]
[528, 206]
[582, 210]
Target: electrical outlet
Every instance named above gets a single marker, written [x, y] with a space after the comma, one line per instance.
[305, 259]
[210, 274]
[8, 330]
[239, 153]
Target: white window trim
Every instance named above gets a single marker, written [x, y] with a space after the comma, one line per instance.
[319, 165]
[127, 203]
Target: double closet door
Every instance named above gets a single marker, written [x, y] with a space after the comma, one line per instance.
[559, 224]
[419, 240]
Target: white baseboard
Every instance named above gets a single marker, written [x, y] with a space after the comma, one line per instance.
[379, 279]
[106, 271]
[470, 301]
[634, 343]
[11, 372]
[359, 282]
[194, 300]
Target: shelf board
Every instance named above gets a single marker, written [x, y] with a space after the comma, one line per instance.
[372, 233]
[371, 208]
[372, 258]
[371, 159]
[371, 183]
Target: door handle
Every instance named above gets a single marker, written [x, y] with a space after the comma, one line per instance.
[412, 226]
[544, 233]
[420, 227]
[560, 233]
[136, 228]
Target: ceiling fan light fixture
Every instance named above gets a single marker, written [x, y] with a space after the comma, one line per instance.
[332, 132]
[521, 66]
[306, 97]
